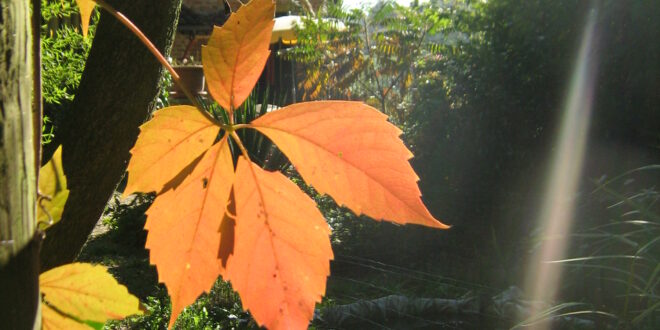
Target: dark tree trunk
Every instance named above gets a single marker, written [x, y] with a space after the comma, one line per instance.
[19, 248]
[117, 92]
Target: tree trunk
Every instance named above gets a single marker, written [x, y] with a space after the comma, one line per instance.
[117, 92]
[19, 247]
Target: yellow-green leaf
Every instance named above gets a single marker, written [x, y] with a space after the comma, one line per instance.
[87, 292]
[52, 320]
[52, 187]
[86, 8]
[237, 52]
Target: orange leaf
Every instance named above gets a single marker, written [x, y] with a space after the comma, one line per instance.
[184, 228]
[86, 8]
[237, 52]
[281, 251]
[349, 151]
[167, 144]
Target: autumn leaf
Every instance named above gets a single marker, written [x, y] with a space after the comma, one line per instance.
[167, 144]
[281, 249]
[84, 293]
[349, 151]
[237, 52]
[184, 228]
[86, 8]
[53, 191]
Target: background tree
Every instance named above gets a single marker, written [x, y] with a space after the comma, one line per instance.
[371, 56]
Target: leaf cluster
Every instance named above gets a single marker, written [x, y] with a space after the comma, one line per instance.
[254, 227]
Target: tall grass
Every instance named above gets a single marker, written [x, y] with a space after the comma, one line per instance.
[613, 272]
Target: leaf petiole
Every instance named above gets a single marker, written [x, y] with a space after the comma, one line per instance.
[240, 144]
[239, 126]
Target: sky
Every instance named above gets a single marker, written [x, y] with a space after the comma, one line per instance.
[368, 3]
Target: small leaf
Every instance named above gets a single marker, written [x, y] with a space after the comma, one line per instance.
[184, 228]
[86, 8]
[349, 151]
[52, 186]
[237, 52]
[167, 144]
[282, 249]
[87, 292]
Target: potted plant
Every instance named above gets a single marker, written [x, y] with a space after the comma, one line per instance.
[192, 76]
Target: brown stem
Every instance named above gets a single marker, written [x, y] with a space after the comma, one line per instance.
[136, 31]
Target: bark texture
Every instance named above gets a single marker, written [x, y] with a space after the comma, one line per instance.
[19, 271]
[117, 92]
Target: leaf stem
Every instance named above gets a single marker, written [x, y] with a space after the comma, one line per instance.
[157, 54]
[241, 146]
[239, 126]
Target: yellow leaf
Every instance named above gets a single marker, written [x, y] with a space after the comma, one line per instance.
[52, 186]
[86, 8]
[349, 151]
[237, 52]
[87, 292]
[167, 144]
[282, 249]
[52, 320]
[184, 228]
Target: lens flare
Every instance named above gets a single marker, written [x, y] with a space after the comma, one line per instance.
[555, 218]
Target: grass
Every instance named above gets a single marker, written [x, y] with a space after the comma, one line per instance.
[613, 274]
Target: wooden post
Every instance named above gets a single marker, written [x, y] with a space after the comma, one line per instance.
[19, 247]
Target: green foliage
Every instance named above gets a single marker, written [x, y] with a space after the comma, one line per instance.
[64, 55]
[372, 56]
[58, 9]
[64, 52]
[218, 309]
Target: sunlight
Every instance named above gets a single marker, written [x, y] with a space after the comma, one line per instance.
[543, 278]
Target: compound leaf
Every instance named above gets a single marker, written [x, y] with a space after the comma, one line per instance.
[282, 249]
[349, 151]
